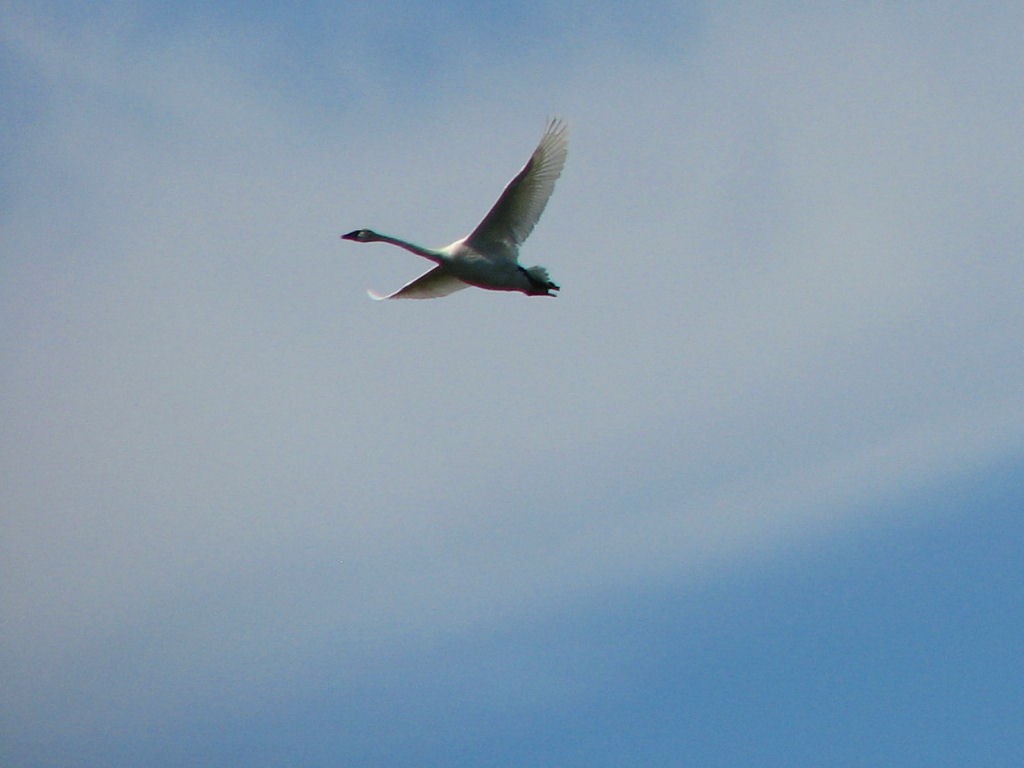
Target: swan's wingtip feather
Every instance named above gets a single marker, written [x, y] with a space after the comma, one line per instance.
[374, 295]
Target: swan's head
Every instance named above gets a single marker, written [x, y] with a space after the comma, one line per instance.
[362, 236]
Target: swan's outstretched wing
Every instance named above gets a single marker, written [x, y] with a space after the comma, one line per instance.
[513, 217]
[434, 284]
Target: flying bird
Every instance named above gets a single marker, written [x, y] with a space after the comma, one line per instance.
[488, 257]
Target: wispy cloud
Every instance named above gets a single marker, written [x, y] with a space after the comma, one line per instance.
[790, 255]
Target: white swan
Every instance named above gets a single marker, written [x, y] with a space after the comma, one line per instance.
[488, 257]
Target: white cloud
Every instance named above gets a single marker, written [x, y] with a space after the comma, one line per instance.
[791, 281]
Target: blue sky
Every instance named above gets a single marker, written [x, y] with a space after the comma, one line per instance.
[747, 492]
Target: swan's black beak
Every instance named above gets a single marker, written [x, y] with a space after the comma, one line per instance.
[351, 235]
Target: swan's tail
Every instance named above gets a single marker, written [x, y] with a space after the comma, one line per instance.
[540, 278]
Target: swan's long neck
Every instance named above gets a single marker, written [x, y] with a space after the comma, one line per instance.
[419, 250]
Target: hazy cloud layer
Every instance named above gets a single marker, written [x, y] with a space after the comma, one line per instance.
[789, 247]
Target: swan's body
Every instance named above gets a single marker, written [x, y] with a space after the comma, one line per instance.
[488, 257]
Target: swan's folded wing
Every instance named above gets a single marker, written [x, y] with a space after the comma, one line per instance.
[514, 216]
[434, 284]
